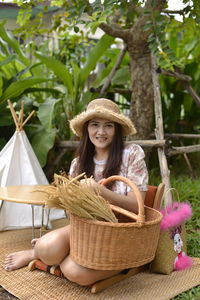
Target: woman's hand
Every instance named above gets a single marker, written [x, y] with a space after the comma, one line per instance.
[128, 201]
[90, 182]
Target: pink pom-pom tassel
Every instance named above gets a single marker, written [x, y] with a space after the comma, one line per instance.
[175, 214]
[183, 263]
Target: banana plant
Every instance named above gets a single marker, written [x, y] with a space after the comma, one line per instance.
[74, 80]
[14, 67]
[122, 76]
[60, 89]
[19, 79]
[54, 113]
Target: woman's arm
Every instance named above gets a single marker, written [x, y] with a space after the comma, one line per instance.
[128, 202]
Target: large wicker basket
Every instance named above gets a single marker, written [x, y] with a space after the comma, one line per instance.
[115, 246]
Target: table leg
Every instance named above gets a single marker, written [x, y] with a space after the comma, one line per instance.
[48, 216]
[33, 224]
[44, 227]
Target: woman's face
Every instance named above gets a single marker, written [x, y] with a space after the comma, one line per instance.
[101, 132]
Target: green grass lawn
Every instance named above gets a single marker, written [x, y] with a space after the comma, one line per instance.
[189, 190]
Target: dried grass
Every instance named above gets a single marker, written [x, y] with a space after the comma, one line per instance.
[81, 200]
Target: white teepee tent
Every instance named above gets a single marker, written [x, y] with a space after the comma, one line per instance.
[19, 166]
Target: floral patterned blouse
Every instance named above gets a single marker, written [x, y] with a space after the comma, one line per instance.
[133, 167]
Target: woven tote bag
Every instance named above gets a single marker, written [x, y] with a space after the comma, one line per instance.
[163, 262]
[131, 242]
[172, 249]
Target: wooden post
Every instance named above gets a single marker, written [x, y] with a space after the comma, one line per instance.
[159, 131]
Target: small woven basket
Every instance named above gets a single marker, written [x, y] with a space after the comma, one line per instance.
[114, 246]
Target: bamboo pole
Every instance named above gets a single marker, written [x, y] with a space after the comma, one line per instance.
[182, 150]
[105, 283]
[14, 115]
[159, 131]
[29, 116]
[183, 135]
[72, 145]
[21, 116]
[19, 123]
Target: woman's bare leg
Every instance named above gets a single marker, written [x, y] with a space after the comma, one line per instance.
[51, 248]
[54, 246]
[81, 275]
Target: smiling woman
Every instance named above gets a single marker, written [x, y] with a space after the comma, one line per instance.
[101, 154]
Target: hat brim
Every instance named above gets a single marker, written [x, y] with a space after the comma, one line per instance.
[77, 123]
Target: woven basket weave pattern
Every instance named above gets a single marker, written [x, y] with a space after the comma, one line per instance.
[97, 245]
[114, 246]
[165, 255]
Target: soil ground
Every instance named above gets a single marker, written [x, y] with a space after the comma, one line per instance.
[4, 295]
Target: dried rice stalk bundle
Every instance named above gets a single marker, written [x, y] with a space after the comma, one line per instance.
[81, 200]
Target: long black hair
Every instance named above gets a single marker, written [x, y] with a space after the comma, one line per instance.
[86, 152]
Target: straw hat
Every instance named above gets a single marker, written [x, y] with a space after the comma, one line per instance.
[105, 109]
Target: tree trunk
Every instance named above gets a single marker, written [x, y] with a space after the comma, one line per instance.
[141, 109]
[142, 98]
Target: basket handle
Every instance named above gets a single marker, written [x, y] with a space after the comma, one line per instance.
[140, 217]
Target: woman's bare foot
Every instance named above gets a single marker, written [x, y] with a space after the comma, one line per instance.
[19, 259]
[33, 242]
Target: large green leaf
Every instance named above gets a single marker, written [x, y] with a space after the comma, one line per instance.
[59, 70]
[122, 76]
[46, 112]
[18, 87]
[4, 47]
[113, 55]
[81, 105]
[42, 142]
[7, 60]
[14, 69]
[48, 90]
[13, 43]
[7, 68]
[102, 75]
[94, 55]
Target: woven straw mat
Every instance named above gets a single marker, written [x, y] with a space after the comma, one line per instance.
[39, 285]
